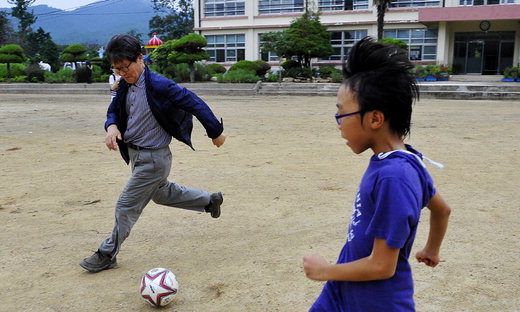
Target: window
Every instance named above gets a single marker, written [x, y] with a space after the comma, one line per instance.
[485, 2]
[223, 8]
[280, 6]
[414, 3]
[422, 43]
[267, 56]
[342, 42]
[226, 48]
[343, 5]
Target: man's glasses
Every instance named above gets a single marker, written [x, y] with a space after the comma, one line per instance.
[338, 116]
[123, 69]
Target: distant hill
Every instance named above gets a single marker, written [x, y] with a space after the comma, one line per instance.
[95, 23]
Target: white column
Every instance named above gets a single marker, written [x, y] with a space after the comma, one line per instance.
[443, 44]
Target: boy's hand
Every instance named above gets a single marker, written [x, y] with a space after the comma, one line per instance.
[218, 141]
[314, 266]
[429, 258]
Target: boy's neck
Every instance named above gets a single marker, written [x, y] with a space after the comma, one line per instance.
[387, 144]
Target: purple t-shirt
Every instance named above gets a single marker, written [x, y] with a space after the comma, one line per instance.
[394, 189]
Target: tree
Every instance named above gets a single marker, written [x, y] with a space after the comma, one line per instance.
[189, 49]
[160, 54]
[5, 29]
[26, 18]
[11, 53]
[305, 38]
[74, 53]
[35, 41]
[174, 19]
[50, 54]
[382, 6]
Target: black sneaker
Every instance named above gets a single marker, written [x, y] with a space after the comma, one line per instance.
[215, 201]
[98, 262]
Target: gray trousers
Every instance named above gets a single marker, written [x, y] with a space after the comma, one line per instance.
[150, 170]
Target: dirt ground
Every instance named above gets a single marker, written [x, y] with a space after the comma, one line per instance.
[288, 182]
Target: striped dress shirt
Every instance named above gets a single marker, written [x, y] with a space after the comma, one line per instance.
[143, 129]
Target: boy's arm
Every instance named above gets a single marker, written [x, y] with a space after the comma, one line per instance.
[439, 214]
[381, 264]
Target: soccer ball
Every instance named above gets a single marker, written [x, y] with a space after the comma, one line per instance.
[159, 286]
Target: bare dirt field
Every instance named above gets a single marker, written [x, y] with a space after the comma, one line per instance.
[288, 182]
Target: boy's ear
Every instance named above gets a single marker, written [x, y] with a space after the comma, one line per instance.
[377, 119]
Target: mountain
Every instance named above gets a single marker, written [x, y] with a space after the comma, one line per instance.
[94, 23]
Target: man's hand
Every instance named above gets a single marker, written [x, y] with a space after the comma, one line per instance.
[219, 140]
[113, 135]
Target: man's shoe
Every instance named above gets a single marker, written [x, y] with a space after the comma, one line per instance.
[98, 262]
[215, 201]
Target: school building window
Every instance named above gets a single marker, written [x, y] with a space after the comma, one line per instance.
[485, 2]
[279, 6]
[342, 5]
[226, 48]
[422, 43]
[223, 8]
[342, 42]
[415, 3]
[267, 56]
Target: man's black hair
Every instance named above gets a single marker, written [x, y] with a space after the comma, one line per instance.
[123, 47]
[380, 77]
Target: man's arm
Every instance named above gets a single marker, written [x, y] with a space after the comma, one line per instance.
[381, 264]
[439, 215]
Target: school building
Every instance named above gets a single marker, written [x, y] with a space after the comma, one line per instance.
[472, 36]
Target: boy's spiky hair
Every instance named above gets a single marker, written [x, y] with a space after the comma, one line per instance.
[380, 77]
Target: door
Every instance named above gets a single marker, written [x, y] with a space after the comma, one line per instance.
[475, 56]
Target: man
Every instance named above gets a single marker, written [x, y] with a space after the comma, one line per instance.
[147, 111]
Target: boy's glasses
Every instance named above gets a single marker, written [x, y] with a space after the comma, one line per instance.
[338, 116]
[123, 69]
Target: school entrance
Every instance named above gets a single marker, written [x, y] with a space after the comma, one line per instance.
[486, 53]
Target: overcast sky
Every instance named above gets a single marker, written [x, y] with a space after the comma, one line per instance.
[58, 4]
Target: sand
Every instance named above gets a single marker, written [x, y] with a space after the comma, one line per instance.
[288, 182]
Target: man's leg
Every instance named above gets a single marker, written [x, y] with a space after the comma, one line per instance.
[146, 177]
[175, 195]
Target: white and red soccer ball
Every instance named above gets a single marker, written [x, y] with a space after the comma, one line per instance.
[159, 286]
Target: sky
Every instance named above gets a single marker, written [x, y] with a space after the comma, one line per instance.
[58, 4]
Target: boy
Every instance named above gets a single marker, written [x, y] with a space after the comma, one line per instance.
[374, 112]
[147, 111]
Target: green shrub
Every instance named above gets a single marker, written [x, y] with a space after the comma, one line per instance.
[432, 70]
[287, 65]
[262, 68]
[273, 78]
[244, 65]
[102, 78]
[81, 74]
[419, 71]
[62, 75]
[35, 73]
[201, 73]
[19, 79]
[512, 72]
[297, 72]
[181, 72]
[177, 72]
[326, 71]
[239, 75]
[336, 76]
[214, 69]
[16, 70]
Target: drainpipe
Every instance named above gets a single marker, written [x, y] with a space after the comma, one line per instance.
[199, 16]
